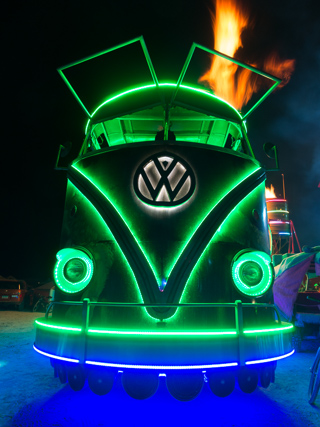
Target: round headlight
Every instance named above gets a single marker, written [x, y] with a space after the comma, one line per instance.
[73, 270]
[252, 273]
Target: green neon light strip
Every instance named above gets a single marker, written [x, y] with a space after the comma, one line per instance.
[165, 333]
[62, 328]
[198, 226]
[121, 216]
[105, 225]
[145, 87]
[219, 228]
[278, 211]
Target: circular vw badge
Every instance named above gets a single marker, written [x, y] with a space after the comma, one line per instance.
[164, 180]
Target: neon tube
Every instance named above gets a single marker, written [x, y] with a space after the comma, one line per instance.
[170, 367]
[260, 331]
[271, 359]
[165, 333]
[172, 333]
[54, 356]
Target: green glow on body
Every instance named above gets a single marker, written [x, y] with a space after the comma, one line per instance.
[58, 327]
[202, 91]
[160, 334]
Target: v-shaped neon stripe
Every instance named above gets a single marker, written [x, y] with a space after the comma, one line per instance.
[137, 259]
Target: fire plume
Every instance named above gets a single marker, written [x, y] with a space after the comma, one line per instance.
[270, 194]
[229, 81]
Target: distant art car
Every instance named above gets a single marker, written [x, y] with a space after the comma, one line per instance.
[165, 266]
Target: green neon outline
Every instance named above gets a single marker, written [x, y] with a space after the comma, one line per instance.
[267, 277]
[105, 196]
[63, 257]
[213, 237]
[145, 87]
[115, 241]
[220, 200]
[165, 333]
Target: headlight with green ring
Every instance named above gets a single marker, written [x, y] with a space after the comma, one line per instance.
[73, 270]
[252, 272]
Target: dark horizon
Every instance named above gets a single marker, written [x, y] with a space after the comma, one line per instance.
[41, 113]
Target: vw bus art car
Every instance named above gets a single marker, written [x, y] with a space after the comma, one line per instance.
[164, 268]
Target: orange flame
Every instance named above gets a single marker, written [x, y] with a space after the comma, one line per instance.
[270, 194]
[228, 81]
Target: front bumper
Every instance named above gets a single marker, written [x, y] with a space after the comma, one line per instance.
[164, 350]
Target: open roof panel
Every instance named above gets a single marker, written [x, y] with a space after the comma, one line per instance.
[102, 76]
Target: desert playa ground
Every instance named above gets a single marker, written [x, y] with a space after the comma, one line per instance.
[31, 396]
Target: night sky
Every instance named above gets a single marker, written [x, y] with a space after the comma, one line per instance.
[40, 112]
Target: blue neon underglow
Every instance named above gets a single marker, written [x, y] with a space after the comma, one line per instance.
[163, 367]
[159, 367]
[270, 359]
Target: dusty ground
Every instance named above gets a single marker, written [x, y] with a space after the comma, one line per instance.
[30, 396]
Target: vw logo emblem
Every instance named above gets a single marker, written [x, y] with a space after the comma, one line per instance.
[164, 180]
